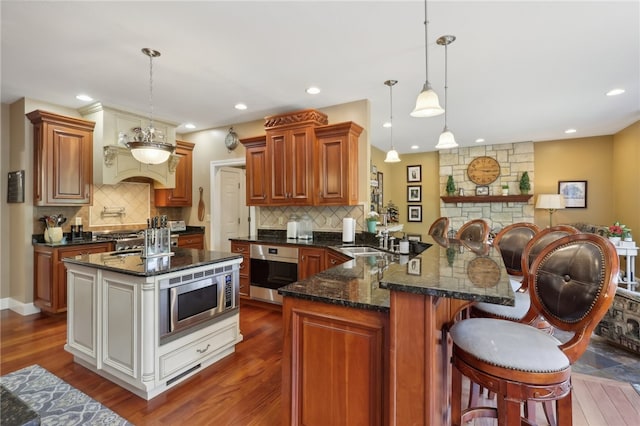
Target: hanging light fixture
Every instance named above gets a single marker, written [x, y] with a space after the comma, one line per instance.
[148, 145]
[446, 139]
[392, 155]
[427, 104]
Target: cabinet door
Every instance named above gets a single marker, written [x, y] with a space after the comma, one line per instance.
[194, 241]
[310, 262]
[334, 364]
[182, 194]
[43, 282]
[82, 320]
[245, 267]
[63, 159]
[336, 168]
[335, 259]
[257, 173]
[290, 154]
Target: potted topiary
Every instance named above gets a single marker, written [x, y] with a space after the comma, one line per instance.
[451, 187]
[525, 185]
[505, 189]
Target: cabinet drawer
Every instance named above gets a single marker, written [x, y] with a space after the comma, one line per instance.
[195, 241]
[198, 350]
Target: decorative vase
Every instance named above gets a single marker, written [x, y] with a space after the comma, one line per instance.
[53, 235]
[371, 226]
[615, 240]
[505, 191]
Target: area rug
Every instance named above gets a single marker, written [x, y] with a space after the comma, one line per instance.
[57, 402]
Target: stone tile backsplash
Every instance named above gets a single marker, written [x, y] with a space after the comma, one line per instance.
[324, 218]
[122, 204]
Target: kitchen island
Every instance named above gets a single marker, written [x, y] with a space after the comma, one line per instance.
[122, 324]
[366, 342]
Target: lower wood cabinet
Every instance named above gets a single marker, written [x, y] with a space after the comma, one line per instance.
[334, 258]
[311, 261]
[335, 364]
[245, 267]
[50, 275]
[195, 241]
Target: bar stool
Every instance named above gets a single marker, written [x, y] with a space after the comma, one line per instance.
[476, 230]
[439, 227]
[573, 282]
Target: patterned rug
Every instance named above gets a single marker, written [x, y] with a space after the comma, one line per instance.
[57, 402]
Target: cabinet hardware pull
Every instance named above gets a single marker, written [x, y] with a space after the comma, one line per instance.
[333, 261]
[201, 351]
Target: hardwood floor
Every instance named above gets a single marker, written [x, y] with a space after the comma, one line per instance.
[243, 388]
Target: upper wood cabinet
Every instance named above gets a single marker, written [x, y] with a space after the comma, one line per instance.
[257, 171]
[291, 153]
[303, 161]
[336, 164]
[63, 159]
[181, 195]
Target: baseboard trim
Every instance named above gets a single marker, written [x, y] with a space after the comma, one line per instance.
[18, 307]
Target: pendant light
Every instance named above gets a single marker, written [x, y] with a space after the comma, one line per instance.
[148, 145]
[427, 104]
[392, 155]
[446, 140]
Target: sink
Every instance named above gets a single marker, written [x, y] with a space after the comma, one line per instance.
[363, 251]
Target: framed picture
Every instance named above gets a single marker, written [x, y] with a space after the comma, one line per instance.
[414, 173]
[414, 266]
[575, 193]
[482, 190]
[414, 237]
[414, 193]
[415, 213]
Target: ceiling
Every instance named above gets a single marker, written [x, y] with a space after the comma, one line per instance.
[518, 71]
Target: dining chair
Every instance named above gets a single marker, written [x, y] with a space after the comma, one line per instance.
[573, 282]
[476, 230]
[439, 227]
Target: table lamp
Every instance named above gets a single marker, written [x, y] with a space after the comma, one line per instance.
[551, 202]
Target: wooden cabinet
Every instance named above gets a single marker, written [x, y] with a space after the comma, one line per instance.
[245, 267]
[290, 152]
[194, 241]
[334, 364]
[334, 258]
[336, 164]
[310, 261]
[50, 276]
[63, 159]
[181, 195]
[258, 173]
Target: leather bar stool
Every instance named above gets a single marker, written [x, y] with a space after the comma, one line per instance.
[573, 282]
[439, 227]
[476, 230]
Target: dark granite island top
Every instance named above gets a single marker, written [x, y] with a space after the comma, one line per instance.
[134, 264]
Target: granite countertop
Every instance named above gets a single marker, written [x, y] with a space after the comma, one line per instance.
[447, 269]
[134, 264]
[15, 411]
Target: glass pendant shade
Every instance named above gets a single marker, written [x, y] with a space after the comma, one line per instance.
[392, 156]
[446, 140]
[150, 152]
[427, 104]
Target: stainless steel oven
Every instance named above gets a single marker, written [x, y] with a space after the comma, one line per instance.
[193, 299]
[272, 267]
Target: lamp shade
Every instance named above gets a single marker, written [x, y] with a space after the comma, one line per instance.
[427, 104]
[446, 140]
[392, 156]
[550, 201]
[150, 153]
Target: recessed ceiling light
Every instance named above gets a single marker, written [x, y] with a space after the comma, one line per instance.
[615, 92]
[190, 126]
[83, 97]
[313, 90]
[570, 131]
[414, 147]
[386, 124]
[479, 140]
[240, 106]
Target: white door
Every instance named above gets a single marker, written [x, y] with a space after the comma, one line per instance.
[234, 214]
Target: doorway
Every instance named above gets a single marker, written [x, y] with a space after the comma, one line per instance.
[230, 216]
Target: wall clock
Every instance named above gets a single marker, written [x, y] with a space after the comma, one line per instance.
[231, 140]
[483, 170]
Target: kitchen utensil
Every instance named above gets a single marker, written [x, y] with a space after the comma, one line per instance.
[200, 206]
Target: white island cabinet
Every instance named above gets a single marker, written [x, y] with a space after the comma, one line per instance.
[114, 321]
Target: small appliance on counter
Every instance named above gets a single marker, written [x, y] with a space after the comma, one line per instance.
[305, 230]
[293, 227]
[177, 225]
[348, 230]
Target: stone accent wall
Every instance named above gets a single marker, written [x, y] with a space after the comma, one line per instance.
[514, 159]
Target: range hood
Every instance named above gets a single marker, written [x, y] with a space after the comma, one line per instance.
[112, 160]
